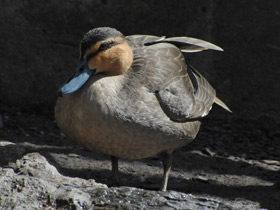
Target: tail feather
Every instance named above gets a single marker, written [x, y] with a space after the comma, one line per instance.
[222, 104]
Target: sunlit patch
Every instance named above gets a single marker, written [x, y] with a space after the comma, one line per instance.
[232, 180]
[227, 167]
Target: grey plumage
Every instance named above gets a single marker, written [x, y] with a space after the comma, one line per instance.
[155, 106]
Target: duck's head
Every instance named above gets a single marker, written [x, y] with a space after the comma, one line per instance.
[102, 50]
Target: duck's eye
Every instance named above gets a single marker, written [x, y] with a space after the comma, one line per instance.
[106, 45]
[103, 46]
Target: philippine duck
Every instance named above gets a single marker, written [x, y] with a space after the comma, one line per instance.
[135, 96]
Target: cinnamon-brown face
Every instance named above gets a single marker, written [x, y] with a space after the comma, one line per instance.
[112, 56]
[102, 50]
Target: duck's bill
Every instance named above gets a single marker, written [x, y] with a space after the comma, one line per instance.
[77, 80]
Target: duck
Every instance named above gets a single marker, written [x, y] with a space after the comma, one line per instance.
[135, 96]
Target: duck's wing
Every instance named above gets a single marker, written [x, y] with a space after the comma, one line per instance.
[189, 44]
[187, 99]
[204, 94]
[185, 44]
[141, 40]
[182, 92]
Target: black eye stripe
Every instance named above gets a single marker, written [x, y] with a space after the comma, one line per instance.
[104, 46]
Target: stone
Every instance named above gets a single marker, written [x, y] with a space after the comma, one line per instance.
[33, 183]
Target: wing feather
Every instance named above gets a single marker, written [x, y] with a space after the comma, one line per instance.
[182, 92]
[185, 44]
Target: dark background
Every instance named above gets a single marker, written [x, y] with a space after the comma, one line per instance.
[40, 46]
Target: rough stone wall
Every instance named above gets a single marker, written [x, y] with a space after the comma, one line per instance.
[249, 31]
[40, 39]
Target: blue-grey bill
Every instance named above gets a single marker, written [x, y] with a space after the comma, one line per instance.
[77, 80]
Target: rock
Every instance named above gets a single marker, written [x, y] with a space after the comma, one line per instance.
[33, 183]
[26, 192]
[36, 165]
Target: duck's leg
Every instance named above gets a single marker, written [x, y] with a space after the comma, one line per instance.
[167, 161]
[115, 170]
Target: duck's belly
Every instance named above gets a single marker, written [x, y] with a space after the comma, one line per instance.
[98, 131]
